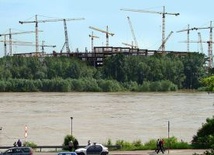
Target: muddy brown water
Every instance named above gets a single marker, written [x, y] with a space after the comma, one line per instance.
[102, 116]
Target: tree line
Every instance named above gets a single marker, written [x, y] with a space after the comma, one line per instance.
[118, 73]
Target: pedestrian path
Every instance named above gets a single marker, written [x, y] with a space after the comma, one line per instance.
[151, 152]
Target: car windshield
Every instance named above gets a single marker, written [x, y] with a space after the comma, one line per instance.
[14, 150]
[94, 149]
[26, 149]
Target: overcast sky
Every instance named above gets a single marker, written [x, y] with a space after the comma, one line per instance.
[102, 13]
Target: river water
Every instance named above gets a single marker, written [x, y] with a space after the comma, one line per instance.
[102, 116]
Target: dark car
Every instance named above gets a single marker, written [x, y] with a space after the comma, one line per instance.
[67, 153]
[93, 149]
[18, 151]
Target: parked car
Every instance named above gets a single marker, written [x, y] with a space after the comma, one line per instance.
[67, 153]
[18, 151]
[95, 149]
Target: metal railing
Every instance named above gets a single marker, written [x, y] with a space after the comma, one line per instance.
[57, 148]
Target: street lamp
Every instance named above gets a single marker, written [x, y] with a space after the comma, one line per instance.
[168, 136]
[71, 124]
[0, 135]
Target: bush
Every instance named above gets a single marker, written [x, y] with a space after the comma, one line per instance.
[124, 145]
[109, 85]
[67, 139]
[2, 86]
[131, 85]
[29, 144]
[90, 85]
[171, 143]
[145, 87]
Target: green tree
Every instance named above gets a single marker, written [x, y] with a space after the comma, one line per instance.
[115, 68]
[208, 83]
[194, 70]
[204, 138]
[67, 139]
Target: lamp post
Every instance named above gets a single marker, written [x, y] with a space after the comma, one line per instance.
[0, 134]
[71, 124]
[168, 136]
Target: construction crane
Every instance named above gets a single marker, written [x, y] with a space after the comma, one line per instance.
[23, 43]
[132, 31]
[200, 42]
[92, 36]
[10, 38]
[188, 32]
[43, 45]
[163, 13]
[36, 21]
[103, 31]
[165, 40]
[210, 42]
[18, 43]
[12, 42]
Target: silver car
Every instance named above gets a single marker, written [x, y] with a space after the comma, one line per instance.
[93, 149]
[18, 151]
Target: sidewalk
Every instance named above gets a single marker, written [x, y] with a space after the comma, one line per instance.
[151, 152]
[146, 152]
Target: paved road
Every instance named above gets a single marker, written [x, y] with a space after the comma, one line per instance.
[147, 152]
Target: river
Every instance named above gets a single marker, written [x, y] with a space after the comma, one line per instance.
[102, 116]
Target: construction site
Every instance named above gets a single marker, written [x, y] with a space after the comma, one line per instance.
[97, 54]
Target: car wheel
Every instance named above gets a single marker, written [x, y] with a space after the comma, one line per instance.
[104, 153]
[80, 153]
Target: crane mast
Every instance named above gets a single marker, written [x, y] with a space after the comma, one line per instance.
[188, 32]
[200, 42]
[163, 13]
[66, 37]
[92, 36]
[36, 36]
[107, 33]
[132, 31]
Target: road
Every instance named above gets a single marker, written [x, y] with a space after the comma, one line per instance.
[147, 152]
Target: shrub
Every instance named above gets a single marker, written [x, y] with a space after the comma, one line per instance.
[145, 87]
[90, 85]
[155, 86]
[67, 139]
[29, 144]
[2, 86]
[171, 143]
[109, 85]
[131, 85]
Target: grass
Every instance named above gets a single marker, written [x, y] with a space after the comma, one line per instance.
[171, 143]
